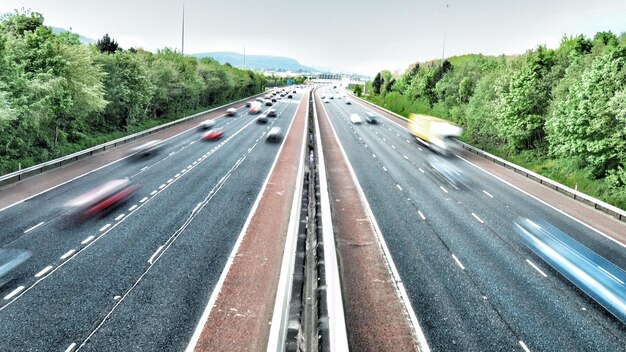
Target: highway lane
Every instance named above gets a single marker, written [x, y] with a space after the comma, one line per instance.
[486, 296]
[70, 302]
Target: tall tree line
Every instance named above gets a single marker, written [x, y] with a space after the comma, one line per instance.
[567, 103]
[57, 95]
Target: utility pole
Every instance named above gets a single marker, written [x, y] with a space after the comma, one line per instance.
[244, 56]
[443, 51]
[182, 50]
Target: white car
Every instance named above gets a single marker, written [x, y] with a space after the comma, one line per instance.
[356, 119]
[231, 112]
[206, 124]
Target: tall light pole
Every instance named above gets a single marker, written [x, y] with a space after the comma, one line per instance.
[182, 50]
[443, 51]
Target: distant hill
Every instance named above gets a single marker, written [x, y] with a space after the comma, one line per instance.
[258, 62]
[82, 39]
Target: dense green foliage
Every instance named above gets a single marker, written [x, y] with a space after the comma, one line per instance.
[58, 96]
[558, 111]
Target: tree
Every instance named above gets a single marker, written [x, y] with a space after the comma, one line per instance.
[107, 45]
[358, 90]
[376, 84]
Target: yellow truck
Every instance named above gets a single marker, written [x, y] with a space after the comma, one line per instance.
[438, 134]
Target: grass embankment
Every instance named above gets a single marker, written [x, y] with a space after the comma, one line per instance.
[562, 171]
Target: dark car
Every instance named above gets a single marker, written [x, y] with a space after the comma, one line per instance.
[290, 96]
[372, 118]
[274, 100]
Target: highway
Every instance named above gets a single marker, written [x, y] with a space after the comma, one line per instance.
[139, 277]
[473, 284]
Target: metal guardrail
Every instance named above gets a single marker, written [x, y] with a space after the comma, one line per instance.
[64, 160]
[597, 204]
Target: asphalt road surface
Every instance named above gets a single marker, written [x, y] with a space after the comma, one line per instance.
[138, 277]
[472, 282]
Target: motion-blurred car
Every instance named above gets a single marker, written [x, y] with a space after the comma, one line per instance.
[274, 100]
[326, 101]
[356, 119]
[206, 124]
[370, 117]
[271, 113]
[268, 103]
[213, 134]
[275, 134]
[103, 198]
[248, 103]
[261, 119]
[231, 112]
[444, 168]
[10, 261]
[147, 148]
[289, 96]
[348, 102]
[255, 108]
[259, 99]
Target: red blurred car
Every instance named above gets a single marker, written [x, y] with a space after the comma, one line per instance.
[213, 134]
[103, 198]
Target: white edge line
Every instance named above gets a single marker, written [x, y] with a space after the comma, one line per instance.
[14, 292]
[421, 338]
[544, 203]
[536, 268]
[280, 314]
[458, 262]
[207, 311]
[34, 227]
[336, 317]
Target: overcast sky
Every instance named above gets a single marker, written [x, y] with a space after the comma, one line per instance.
[361, 36]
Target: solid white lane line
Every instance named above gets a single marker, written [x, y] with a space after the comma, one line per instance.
[421, 215]
[487, 193]
[458, 262]
[105, 227]
[477, 218]
[162, 186]
[68, 254]
[400, 188]
[153, 192]
[524, 346]
[70, 348]
[143, 199]
[132, 208]
[422, 171]
[44, 271]
[536, 268]
[14, 293]
[119, 217]
[34, 227]
[384, 168]
[155, 254]
[88, 239]
[443, 189]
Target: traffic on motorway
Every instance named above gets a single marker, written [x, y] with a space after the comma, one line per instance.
[486, 266]
[80, 250]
